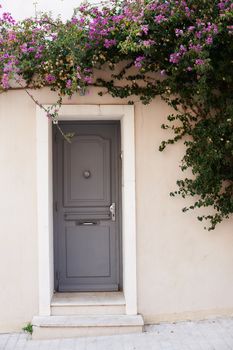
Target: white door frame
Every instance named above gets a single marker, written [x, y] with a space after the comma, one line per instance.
[125, 114]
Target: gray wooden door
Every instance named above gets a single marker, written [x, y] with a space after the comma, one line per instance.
[87, 207]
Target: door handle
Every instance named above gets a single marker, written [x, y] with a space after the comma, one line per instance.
[112, 209]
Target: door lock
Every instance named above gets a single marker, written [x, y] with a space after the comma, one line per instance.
[112, 209]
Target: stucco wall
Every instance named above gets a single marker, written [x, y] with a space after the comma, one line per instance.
[18, 236]
[183, 271]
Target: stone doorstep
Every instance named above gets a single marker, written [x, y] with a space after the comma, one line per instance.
[52, 327]
[88, 321]
[87, 310]
[97, 303]
[88, 299]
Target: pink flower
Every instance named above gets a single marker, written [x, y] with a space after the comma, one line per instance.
[175, 57]
[209, 40]
[24, 48]
[88, 80]
[49, 78]
[148, 43]
[74, 20]
[69, 83]
[199, 62]
[183, 49]
[196, 48]
[5, 81]
[191, 28]
[8, 18]
[145, 28]
[78, 73]
[160, 18]
[11, 36]
[179, 32]
[138, 61]
[109, 42]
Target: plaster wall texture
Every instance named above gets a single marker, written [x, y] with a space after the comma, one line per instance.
[183, 272]
[18, 236]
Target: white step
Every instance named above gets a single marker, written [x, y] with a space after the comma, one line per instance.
[96, 303]
[52, 327]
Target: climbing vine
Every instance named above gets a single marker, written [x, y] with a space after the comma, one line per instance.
[181, 50]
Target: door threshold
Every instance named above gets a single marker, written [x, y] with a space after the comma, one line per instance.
[88, 298]
[90, 303]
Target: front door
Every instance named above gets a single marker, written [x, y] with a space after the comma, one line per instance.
[87, 207]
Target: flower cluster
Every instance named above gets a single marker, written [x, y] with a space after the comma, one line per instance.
[33, 54]
[170, 48]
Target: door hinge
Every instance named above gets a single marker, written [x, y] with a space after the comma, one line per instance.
[121, 155]
[58, 275]
[56, 206]
[57, 280]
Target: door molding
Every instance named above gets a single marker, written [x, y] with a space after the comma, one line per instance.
[125, 114]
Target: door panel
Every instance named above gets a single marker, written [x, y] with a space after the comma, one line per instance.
[87, 182]
[88, 253]
[87, 171]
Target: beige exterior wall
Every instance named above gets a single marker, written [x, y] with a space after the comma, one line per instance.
[183, 271]
[18, 236]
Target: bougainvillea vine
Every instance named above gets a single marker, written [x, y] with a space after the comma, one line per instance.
[181, 50]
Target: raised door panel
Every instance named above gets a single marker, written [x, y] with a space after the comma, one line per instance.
[88, 251]
[87, 172]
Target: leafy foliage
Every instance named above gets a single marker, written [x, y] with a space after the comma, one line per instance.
[28, 328]
[181, 50]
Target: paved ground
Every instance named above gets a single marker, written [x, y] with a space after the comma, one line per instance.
[204, 335]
